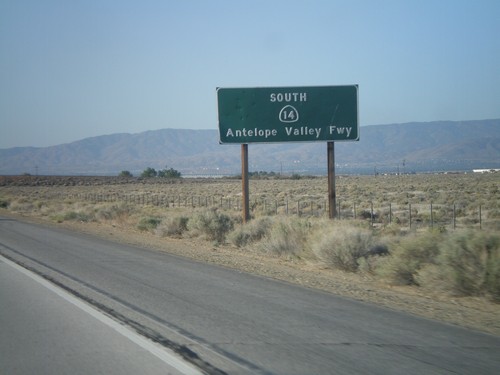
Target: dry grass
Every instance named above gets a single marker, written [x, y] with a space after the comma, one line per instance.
[387, 197]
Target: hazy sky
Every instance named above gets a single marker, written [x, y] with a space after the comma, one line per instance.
[71, 69]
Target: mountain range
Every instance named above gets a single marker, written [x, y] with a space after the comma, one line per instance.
[404, 148]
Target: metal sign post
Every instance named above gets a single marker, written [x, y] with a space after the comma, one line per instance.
[244, 182]
[332, 194]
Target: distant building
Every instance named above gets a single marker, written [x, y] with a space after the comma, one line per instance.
[485, 170]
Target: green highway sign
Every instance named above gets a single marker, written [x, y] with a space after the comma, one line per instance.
[288, 114]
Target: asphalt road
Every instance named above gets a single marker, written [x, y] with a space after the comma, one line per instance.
[46, 330]
[226, 321]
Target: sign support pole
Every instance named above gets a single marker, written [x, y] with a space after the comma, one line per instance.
[244, 182]
[332, 195]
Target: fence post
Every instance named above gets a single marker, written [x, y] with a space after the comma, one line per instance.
[454, 217]
[432, 218]
[390, 213]
[409, 206]
[480, 218]
[371, 214]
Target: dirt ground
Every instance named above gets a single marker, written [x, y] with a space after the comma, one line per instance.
[475, 313]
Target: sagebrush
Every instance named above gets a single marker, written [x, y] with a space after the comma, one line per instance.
[214, 225]
[342, 246]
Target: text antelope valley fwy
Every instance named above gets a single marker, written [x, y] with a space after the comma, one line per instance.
[290, 131]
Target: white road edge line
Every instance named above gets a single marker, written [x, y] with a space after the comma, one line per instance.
[167, 356]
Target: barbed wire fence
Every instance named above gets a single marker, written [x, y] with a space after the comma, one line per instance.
[411, 215]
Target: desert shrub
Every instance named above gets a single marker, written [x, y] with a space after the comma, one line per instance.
[212, 224]
[78, 216]
[22, 205]
[364, 214]
[431, 277]
[393, 230]
[169, 173]
[343, 245]
[125, 174]
[493, 277]
[4, 203]
[39, 204]
[148, 223]
[72, 216]
[173, 226]
[149, 172]
[408, 255]
[286, 236]
[471, 263]
[494, 213]
[112, 212]
[251, 232]
[368, 264]
[57, 218]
